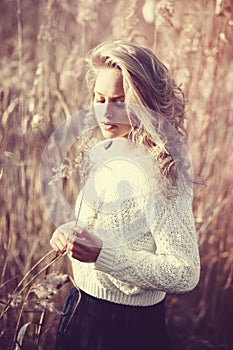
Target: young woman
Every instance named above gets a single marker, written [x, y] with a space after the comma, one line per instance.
[135, 239]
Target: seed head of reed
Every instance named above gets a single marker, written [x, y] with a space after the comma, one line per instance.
[164, 11]
[16, 300]
[45, 289]
[49, 286]
[86, 13]
[76, 161]
[64, 170]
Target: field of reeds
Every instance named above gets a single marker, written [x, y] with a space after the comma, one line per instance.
[42, 46]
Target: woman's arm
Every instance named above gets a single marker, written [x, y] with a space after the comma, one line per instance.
[175, 265]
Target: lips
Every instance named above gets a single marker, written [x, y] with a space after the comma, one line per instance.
[108, 126]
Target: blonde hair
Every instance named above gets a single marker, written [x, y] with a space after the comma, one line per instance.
[155, 101]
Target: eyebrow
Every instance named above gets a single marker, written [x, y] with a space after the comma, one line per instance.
[112, 97]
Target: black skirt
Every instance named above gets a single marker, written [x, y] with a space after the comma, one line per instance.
[97, 324]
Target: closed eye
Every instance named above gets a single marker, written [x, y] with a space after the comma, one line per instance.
[120, 104]
[117, 104]
[99, 101]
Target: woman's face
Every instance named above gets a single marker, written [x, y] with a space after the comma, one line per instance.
[109, 97]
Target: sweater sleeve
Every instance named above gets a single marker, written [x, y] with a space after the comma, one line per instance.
[174, 266]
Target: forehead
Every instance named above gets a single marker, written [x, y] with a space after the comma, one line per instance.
[109, 82]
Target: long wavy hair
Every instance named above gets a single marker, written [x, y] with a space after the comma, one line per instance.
[155, 103]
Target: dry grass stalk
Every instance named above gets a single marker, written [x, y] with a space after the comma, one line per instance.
[44, 289]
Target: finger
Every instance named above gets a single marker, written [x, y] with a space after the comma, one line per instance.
[58, 247]
[79, 234]
[79, 245]
[55, 246]
[73, 250]
[61, 238]
[77, 252]
[58, 242]
[82, 251]
[77, 228]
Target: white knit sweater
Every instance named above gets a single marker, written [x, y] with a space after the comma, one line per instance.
[149, 243]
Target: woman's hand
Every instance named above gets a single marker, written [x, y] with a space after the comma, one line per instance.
[85, 246]
[58, 241]
[79, 243]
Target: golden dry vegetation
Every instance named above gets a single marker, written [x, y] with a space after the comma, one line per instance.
[42, 46]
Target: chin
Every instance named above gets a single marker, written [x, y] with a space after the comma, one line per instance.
[111, 134]
[108, 134]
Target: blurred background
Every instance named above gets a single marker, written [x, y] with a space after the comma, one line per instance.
[42, 49]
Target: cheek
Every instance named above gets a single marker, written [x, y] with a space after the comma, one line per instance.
[124, 119]
[98, 112]
[125, 128]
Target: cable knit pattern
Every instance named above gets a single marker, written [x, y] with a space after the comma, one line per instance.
[149, 242]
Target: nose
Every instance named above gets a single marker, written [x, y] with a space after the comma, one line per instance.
[108, 110]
